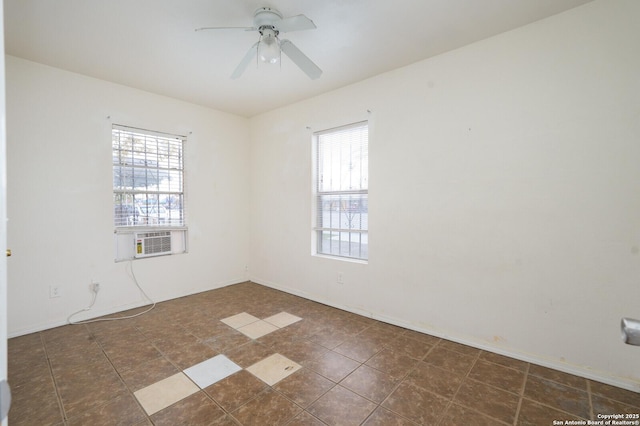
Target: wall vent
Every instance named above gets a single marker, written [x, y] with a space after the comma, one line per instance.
[154, 243]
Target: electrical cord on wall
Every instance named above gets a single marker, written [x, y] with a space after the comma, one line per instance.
[95, 290]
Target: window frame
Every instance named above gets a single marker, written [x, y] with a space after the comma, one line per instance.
[358, 199]
[153, 206]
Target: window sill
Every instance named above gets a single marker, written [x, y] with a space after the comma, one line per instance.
[341, 258]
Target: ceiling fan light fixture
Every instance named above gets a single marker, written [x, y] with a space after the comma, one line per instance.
[269, 47]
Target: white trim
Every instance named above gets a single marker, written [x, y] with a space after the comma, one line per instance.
[596, 375]
[121, 308]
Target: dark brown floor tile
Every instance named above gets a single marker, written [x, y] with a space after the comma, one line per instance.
[119, 336]
[388, 330]
[416, 404]
[504, 361]
[305, 419]
[554, 394]
[25, 343]
[340, 406]
[422, 337]
[226, 420]
[435, 379]
[381, 334]
[226, 342]
[359, 349]
[352, 326]
[148, 373]
[188, 330]
[161, 330]
[127, 357]
[450, 360]
[458, 347]
[396, 364]
[190, 355]
[609, 406]
[66, 332]
[383, 417]
[145, 422]
[269, 408]
[615, 393]
[304, 387]
[412, 347]
[39, 389]
[370, 383]
[194, 410]
[330, 338]
[488, 400]
[249, 353]
[305, 328]
[280, 337]
[25, 353]
[25, 370]
[301, 351]
[88, 385]
[534, 414]
[333, 366]
[174, 343]
[457, 415]
[496, 375]
[65, 355]
[558, 377]
[233, 391]
[35, 403]
[123, 410]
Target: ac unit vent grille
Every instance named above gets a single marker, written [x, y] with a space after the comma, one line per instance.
[153, 243]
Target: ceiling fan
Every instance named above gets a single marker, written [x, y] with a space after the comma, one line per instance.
[270, 23]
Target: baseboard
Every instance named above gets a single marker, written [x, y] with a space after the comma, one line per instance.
[599, 376]
[97, 313]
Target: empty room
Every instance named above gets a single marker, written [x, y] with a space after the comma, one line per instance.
[191, 240]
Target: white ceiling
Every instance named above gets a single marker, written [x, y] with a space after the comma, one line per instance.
[151, 44]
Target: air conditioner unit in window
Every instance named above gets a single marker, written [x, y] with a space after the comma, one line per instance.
[154, 243]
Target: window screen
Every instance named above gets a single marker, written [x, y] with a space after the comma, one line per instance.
[342, 191]
[148, 178]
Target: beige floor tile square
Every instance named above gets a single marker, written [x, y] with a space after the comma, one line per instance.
[282, 319]
[239, 320]
[162, 394]
[257, 329]
[273, 369]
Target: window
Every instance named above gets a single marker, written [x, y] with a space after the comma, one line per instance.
[148, 178]
[342, 191]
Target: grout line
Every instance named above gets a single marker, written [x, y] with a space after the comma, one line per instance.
[591, 413]
[453, 397]
[521, 394]
[63, 414]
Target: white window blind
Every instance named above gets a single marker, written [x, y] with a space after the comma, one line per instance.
[148, 178]
[342, 191]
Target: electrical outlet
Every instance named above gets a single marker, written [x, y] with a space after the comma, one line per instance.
[339, 278]
[54, 291]
[95, 286]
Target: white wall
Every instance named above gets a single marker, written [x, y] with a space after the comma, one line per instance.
[504, 199]
[60, 196]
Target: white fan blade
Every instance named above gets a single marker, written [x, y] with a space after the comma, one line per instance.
[294, 23]
[245, 61]
[227, 28]
[300, 59]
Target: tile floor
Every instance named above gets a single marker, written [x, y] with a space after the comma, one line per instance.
[198, 360]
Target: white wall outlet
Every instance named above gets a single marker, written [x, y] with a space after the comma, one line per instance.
[54, 291]
[339, 278]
